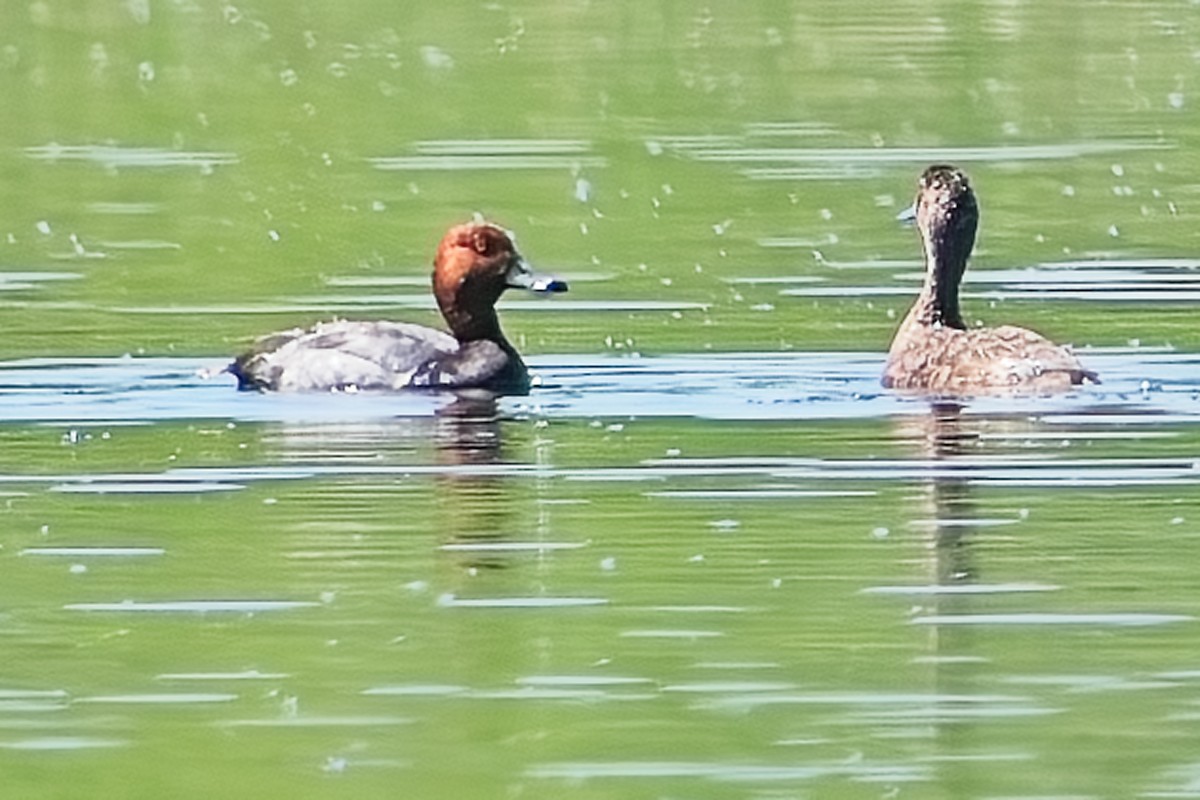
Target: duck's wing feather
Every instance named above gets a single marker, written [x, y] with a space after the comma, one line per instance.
[342, 355]
[1022, 356]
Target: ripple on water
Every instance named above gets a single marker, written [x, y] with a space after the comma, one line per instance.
[48, 743]
[28, 707]
[85, 486]
[793, 163]
[141, 244]
[729, 687]
[99, 552]
[700, 609]
[193, 606]
[451, 601]
[158, 698]
[581, 680]
[984, 471]
[1048, 619]
[759, 494]
[1153, 390]
[671, 633]
[541, 693]
[1090, 684]
[960, 588]
[494, 154]
[245, 675]
[115, 156]
[32, 694]
[316, 721]
[1172, 280]
[883, 706]
[416, 690]
[23, 281]
[727, 772]
[125, 208]
[510, 547]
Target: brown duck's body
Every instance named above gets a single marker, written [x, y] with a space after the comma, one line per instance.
[933, 351]
[952, 361]
[475, 264]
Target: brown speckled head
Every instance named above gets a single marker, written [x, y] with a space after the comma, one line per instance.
[475, 263]
[947, 214]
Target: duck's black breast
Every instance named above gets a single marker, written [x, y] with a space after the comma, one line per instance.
[371, 356]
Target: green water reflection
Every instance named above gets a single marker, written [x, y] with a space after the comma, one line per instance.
[832, 611]
[539, 604]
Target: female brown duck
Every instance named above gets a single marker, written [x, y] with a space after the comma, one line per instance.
[934, 352]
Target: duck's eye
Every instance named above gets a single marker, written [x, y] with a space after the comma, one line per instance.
[483, 244]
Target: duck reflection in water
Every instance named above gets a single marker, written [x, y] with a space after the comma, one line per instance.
[477, 506]
[946, 508]
[467, 430]
[437, 472]
[947, 518]
[934, 352]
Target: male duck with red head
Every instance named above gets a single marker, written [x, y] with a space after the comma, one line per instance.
[934, 352]
[475, 263]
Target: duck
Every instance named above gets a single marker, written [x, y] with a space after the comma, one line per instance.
[475, 263]
[933, 351]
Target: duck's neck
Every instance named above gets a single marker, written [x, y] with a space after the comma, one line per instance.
[469, 325]
[945, 263]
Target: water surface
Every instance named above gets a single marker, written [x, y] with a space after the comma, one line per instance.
[707, 556]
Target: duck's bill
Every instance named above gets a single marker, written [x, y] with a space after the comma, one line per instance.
[520, 276]
[908, 216]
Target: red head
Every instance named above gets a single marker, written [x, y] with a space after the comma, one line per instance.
[475, 263]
